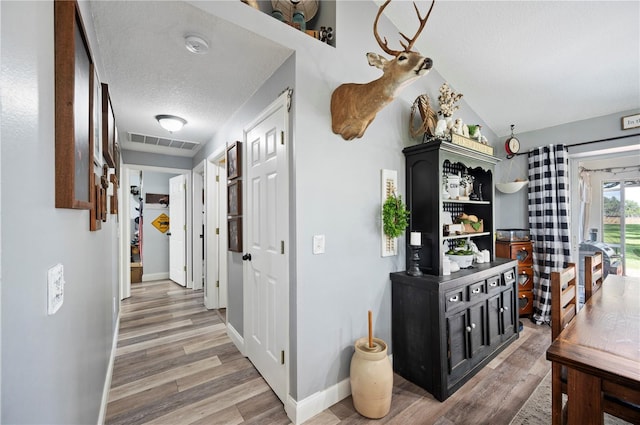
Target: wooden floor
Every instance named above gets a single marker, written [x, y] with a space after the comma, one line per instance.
[176, 365]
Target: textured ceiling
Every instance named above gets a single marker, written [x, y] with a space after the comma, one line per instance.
[150, 72]
[534, 64]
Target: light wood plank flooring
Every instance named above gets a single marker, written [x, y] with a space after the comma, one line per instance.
[175, 365]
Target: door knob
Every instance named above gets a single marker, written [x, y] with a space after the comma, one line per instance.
[168, 233]
[246, 257]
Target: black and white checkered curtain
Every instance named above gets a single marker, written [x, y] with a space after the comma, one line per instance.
[548, 221]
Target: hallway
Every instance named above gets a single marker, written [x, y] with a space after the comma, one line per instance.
[175, 364]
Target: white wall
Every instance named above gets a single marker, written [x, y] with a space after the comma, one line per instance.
[53, 367]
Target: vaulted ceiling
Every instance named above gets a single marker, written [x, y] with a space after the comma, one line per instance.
[535, 64]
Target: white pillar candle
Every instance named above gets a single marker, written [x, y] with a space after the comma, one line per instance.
[415, 239]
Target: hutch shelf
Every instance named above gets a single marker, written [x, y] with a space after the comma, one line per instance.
[426, 166]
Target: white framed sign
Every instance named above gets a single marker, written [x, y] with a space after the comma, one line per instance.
[631, 121]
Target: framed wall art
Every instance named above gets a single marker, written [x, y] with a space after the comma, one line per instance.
[108, 127]
[96, 114]
[234, 160]
[74, 76]
[95, 217]
[234, 198]
[234, 226]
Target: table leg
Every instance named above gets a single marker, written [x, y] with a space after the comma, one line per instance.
[584, 398]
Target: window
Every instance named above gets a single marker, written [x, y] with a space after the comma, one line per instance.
[621, 221]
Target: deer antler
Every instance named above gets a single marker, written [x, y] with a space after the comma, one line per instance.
[384, 45]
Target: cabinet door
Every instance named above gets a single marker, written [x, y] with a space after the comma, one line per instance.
[457, 350]
[523, 252]
[508, 313]
[476, 329]
[494, 319]
[525, 279]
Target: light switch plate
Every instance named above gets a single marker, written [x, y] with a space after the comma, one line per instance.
[318, 244]
[55, 288]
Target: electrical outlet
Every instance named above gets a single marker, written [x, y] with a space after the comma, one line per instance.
[318, 244]
[55, 288]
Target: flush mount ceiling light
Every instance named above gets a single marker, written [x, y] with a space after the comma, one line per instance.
[196, 44]
[171, 123]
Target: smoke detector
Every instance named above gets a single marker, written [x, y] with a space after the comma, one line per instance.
[196, 44]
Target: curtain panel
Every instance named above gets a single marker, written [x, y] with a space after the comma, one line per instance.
[548, 221]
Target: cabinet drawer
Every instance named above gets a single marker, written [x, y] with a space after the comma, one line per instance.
[454, 299]
[493, 283]
[525, 303]
[477, 291]
[523, 253]
[508, 277]
[525, 279]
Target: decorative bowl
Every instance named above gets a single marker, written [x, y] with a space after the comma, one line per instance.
[463, 261]
[511, 187]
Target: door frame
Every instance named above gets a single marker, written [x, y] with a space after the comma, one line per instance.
[283, 101]
[198, 176]
[125, 223]
[215, 217]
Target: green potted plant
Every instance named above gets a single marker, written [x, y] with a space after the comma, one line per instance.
[395, 217]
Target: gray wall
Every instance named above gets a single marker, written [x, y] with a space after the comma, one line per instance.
[335, 191]
[511, 209]
[53, 367]
[155, 244]
[157, 160]
[233, 130]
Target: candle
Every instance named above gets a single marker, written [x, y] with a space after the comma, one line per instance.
[416, 239]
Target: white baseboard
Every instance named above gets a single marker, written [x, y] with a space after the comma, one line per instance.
[303, 410]
[237, 339]
[107, 379]
[154, 276]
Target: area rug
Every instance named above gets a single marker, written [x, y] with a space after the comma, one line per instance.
[537, 409]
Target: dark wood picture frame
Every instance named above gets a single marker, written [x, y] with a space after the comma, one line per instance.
[108, 127]
[234, 198]
[74, 76]
[234, 228]
[95, 219]
[96, 114]
[234, 160]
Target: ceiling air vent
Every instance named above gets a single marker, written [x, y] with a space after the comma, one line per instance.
[158, 141]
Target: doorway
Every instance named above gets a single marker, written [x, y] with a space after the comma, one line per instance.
[621, 221]
[148, 238]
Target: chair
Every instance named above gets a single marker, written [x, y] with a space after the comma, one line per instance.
[592, 274]
[563, 309]
[616, 400]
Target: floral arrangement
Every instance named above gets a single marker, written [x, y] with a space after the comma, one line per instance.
[447, 100]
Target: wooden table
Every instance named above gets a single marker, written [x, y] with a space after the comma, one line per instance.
[601, 349]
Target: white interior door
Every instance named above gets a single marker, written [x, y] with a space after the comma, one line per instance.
[199, 211]
[266, 278]
[178, 230]
[215, 294]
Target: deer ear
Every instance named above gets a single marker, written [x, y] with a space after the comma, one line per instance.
[376, 60]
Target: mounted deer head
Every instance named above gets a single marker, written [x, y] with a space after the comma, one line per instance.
[354, 106]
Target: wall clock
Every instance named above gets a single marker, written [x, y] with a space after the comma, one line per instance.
[512, 145]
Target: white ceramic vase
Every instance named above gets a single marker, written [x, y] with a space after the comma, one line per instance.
[371, 378]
